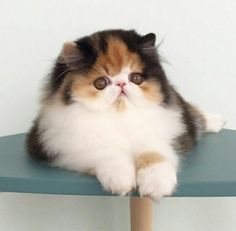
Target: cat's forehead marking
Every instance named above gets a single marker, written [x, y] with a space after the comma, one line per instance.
[117, 57]
[123, 74]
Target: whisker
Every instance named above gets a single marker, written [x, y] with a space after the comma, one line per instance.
[67, 70]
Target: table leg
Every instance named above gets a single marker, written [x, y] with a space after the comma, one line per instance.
[141, 214]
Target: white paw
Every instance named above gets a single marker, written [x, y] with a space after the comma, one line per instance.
[117, 179]
[214, 123]
[157, 180]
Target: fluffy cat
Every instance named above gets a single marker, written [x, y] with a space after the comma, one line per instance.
[109, 110]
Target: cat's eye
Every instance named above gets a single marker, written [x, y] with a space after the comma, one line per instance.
[136, 78]
[100, 83]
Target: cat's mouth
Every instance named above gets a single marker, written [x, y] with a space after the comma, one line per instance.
[122, 94]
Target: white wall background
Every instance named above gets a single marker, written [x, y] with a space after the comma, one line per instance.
[200, 45]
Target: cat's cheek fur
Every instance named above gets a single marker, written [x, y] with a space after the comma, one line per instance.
[103, 101]
[136, 97]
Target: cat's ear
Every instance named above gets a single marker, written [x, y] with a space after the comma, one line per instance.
[148, 41]
[71, 54]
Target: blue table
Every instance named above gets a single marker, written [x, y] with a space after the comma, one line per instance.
[210, 170]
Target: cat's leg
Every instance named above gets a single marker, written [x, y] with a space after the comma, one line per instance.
[214, 123]
[116, 172]
[114, 168]
[156, 174]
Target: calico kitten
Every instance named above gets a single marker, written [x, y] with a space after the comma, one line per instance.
[109, 110]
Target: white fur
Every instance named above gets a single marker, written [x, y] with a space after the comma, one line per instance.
[91, 136]
[214, 123]
[107, 143]
[117, 176]
[157, 180]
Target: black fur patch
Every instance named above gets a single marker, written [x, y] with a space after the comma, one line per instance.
[103, 44]
[89, 54]
[34, 145]
[194, 123]
[57, 75]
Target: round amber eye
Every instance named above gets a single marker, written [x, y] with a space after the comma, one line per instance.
[100, 83]
[136, 78]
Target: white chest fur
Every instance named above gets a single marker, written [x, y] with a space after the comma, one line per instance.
[76, 134]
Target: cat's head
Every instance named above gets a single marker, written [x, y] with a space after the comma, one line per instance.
[110, 69]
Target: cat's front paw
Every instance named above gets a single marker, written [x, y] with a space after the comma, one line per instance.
[157, 180]
[117, 179]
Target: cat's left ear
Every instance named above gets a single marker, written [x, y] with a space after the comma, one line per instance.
[148, 41]
[71, 54]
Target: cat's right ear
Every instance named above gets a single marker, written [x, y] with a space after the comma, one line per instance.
[71, 54]
[148, 40]
[147, 44]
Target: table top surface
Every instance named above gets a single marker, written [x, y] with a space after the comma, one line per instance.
[209, 170]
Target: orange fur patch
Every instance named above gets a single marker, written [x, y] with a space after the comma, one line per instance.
[148, 158]
[152, 91]
[117, 57]
[83, 87]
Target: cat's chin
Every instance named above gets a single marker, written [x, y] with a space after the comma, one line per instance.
[122, 97]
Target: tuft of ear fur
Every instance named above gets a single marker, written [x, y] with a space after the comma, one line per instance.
[71, 54]
[148, 40]
[147, 45]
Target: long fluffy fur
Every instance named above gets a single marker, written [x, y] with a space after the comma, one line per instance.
[75, 129]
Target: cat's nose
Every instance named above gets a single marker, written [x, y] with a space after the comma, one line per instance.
[120, 84]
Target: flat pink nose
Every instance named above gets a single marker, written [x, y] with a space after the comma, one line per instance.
[120, 84]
